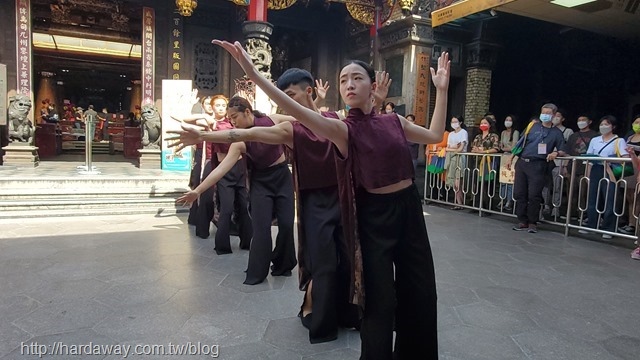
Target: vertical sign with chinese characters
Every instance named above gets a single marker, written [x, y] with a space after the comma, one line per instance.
[421, 110]
[175, 47]
[148, 55]
[23, 42]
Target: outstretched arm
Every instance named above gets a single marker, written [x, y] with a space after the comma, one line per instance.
[321, 92]
[274, 135]
[332, 129]
[235, 151]
[435, 132]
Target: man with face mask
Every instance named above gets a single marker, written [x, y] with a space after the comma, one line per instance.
[552, 191]
[577, 145]
[538, 149]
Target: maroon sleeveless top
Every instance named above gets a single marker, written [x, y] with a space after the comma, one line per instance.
[378, 148]
[314, 157]
[222, 148]
[261, 156]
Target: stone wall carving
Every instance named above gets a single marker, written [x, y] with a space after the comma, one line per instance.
[206, 66]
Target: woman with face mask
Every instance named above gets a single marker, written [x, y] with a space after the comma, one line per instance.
[487, 142]
[606, 145]
[456, 143]
[633, 200]
[508, 138]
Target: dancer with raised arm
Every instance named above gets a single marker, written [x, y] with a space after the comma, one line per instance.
[386, 210]
[271, 190]
[323, 262]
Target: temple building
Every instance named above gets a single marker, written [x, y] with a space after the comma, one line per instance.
[508, 57]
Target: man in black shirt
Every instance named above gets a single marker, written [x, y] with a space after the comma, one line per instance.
[530, 170]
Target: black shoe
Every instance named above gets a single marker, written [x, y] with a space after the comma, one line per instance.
[253, 281]
[223, 252]
[521, 227]
[281, 273]
[305, 320]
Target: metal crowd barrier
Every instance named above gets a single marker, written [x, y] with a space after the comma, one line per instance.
[480, 188]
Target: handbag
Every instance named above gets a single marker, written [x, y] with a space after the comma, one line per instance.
[620, 170]
[519, 146]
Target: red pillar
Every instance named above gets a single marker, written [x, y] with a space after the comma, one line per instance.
[258, 10]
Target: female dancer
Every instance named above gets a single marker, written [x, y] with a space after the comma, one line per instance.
[389, 214]
[271, 188]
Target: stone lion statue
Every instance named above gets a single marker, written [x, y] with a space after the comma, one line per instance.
[152, 127]
[20, 127]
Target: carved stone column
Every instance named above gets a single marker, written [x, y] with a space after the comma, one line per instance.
[481, 59]
[257, 34]
[405, 49]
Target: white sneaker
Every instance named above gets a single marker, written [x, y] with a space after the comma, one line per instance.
[607, 236]
[584, 231]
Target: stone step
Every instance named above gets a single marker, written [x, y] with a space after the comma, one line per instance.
[89, 183]
[84, 206]
[159, 210]
[48, 195]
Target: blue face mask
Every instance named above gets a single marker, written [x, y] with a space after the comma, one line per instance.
[545, 117]
[347, 107]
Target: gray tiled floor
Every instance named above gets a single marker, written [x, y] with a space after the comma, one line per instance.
[148, 280]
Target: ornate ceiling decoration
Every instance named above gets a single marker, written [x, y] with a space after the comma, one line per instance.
[273, 4]
[186, 7]
[280, 4]
[365, 10]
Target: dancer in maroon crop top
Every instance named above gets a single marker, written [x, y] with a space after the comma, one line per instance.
[271, 188]
[390, 222]
[324, 264]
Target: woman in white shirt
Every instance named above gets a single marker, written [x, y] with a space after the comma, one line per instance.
[604, 146]
[456, 143]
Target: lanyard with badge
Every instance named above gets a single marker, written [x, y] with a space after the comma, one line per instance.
[542, 146]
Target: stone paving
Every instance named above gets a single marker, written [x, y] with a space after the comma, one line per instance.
[142, 279]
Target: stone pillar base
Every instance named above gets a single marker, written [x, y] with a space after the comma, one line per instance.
[21, 155]
[150, 159]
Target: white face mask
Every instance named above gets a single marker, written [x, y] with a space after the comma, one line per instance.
[508, 124]
[455, 126]
[582, 124]
[605, 129]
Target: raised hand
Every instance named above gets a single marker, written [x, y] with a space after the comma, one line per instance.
[194, 99]
[321, 89]
[239, 54]
[440, 77]
[382, 87]
[182, 138]
[188, 198]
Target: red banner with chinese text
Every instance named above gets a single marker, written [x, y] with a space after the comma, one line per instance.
[148, 55]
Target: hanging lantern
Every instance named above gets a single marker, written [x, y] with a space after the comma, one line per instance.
[186, 7]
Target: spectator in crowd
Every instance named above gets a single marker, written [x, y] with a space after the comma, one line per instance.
[577, 145]
[456, 143]
[606, 145]
[508, 138]
[558, 171]
[486, 142]
[389, 108]
[538, 149]
[633, 200]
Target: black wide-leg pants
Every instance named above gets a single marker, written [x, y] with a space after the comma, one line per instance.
[271, 192]
[206, 206]
[320, 212]
[233, 195]
[393, 233]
